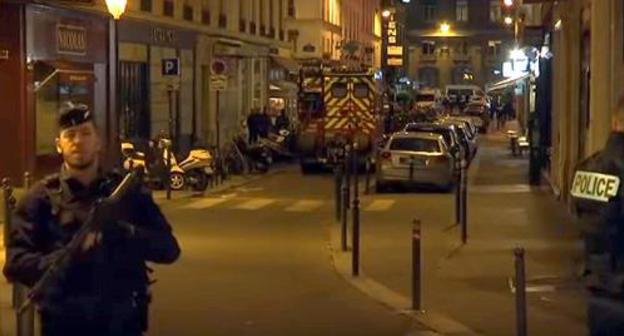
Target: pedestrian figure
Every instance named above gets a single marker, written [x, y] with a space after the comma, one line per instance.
[105, 289]
[282, 121]
[264, 123]
[598, 191]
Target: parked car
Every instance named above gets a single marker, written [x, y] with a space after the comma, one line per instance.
[448, 132]
[415, 158]
[465, 135]
[478, 114]
[428, 99]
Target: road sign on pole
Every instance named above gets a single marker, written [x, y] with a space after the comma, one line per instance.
[170, 67]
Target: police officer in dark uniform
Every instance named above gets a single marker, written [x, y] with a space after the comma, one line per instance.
[599, 203]
[104, 291]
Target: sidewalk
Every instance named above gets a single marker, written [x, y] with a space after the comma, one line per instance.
[469, 287]
[7, 314]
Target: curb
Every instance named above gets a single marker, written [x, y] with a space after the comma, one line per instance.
[433, 323]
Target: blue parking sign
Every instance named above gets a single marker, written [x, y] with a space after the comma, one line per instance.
[171, 67]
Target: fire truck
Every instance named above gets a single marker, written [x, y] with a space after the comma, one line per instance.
[336, 106]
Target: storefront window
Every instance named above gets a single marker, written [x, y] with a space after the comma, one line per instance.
[53, 87]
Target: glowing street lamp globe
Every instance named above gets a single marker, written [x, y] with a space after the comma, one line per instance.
[445, 28]
[508, 20]
[385, 13]
[116, 7]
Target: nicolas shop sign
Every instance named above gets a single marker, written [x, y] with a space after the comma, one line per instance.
[71, 39]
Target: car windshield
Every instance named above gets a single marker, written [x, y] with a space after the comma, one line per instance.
[473, 112]
[425, 97]
[415, 145]
[445, 133]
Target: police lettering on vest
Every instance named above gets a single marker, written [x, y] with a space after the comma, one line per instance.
[595, 186]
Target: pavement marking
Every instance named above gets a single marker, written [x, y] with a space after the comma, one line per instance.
[380, 205]
[304, 205]
[254, 204]
[205, 203]
[500, 189]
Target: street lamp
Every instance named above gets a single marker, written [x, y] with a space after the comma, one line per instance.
[445, 28]
[116, 8]
[508, 20]
[386, 13]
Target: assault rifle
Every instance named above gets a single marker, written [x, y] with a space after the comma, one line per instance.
[92, 223]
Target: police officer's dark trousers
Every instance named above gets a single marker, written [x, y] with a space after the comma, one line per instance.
[606, 315]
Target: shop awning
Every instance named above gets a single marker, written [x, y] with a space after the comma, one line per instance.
[283, 88]
[286, 63]
[505, 83]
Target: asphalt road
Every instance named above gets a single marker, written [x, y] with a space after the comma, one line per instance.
[255, 261]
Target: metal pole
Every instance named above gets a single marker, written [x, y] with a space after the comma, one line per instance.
[355, 262]
[27, 180]
[521, 312]
[218, 137]
[458, 197]
[416, 265]
[411, 170]
[464, 203]
[367, 180]
[168, 171]
[25, 320]
[345, 211]
[170, 99]
[7, 193]
[337, 189]
[348, 173]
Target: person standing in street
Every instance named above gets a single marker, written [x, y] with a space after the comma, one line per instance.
[252, 126]
[104, 291]
[598, 196]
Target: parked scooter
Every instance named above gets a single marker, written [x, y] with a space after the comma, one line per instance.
[194, 171]
[278, 144]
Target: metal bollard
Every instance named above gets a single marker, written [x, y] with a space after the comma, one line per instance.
[458, 199]
[25, 320]
[337, 189]
[416, 266]
[367, 179]
[168, 173]
[27, 180]
[411, 170]
[348, 172]
[355, 262]
[7, 202]
[464, 203]
[345, 212]
[521, 310]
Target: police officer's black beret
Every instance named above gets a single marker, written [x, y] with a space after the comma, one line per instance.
[73, 114]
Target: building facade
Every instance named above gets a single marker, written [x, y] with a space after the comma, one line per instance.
[585, 39]
[339, 30]
[457, 42]
[70, 53]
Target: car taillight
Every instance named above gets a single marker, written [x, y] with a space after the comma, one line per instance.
[441, 159]
[386, 156]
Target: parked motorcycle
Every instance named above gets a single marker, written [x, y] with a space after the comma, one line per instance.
[194, 171]
[258, 155]
[278, 144]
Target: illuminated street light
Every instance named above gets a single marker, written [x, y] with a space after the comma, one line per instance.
[116, 7]
[508, 3]
[385, 13]
[445, 28]
[508, 20]
[558, 25]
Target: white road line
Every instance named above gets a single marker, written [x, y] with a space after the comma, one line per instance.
[304, 205]
[205, 203]
[254, 204]
[500, 189]
[380, 205]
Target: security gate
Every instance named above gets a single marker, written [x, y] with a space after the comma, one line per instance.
[134, 109]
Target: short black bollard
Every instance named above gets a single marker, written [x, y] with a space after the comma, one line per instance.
[367, 179]
[355, 262]
[337, 189]
[25, 320]
[345, 211]
[463, 186]
[348, 173]
[27, 180]
[458, 198]
[521, 310]
[7, 197]
[168, 170]
[416, 266]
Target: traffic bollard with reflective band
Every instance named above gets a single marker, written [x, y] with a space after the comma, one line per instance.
[337, 189]
[464, 203]
[355, 262]
[521, 309]
[416, 266]
[348, 172]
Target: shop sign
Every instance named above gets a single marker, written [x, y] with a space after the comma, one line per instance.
[393, 61]
[71, 39]
[163, 36]
[395, 51]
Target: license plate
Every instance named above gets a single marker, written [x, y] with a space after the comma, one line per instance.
[408, 161]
